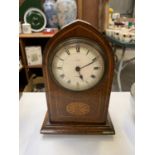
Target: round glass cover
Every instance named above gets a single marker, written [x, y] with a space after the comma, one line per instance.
[77, 64]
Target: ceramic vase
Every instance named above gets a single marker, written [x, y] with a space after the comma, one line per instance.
[66, 12]
[49, 7]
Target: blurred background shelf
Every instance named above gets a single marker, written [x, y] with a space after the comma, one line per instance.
[36, 35]
[98, 17]
[29, 40]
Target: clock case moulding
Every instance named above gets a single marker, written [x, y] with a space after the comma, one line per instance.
[98, 122]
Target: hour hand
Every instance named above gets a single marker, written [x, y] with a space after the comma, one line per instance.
[78, 70]
[81, 77]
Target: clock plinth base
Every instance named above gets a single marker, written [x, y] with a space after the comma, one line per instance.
[77, 128]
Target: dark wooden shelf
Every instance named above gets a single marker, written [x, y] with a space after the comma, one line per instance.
[32, 39]
[35, 35]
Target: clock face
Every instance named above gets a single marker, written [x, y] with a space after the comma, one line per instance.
[77, 64]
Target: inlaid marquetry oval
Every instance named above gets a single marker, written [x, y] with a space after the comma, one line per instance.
[78, 108]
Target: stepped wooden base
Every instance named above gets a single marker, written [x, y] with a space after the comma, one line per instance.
[76, 128]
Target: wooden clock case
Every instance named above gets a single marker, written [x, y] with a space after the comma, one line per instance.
[83, 112]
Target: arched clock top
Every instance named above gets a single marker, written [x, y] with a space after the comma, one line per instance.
[81, 29]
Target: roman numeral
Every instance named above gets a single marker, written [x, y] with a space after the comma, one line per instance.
[87, 52]
[96, 68]
[94, 59]
[67, 51]
[78, 48]
[93, 76]
[62, 75]
[60, 68]
[77, 84]
[69, 81]
[59, 58]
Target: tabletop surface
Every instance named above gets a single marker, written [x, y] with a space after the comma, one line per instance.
[32, 111]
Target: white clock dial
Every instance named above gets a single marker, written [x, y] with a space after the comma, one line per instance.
[78, 65]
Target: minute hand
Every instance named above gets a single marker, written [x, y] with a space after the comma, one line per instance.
[88, 63]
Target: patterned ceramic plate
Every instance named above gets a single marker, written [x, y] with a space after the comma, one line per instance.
[36, 18]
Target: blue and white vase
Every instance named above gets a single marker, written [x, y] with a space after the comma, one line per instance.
[66, 11]
[49, 7]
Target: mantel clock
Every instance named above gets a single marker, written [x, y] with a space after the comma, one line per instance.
[78, 68]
